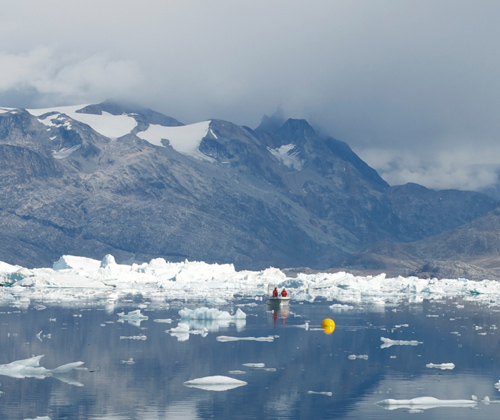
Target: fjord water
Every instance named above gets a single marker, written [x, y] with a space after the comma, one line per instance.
[137, 370]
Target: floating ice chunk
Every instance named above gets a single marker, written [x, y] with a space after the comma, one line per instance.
[163, 321]
[237, 372]
[254, 365]
[388, 342]
[215, 383]
[338, 307]
[425, 403]
[30, 368]
[497, 385]
[133, 317]
[182, 331]
[442, 366]
[134, 337]
[40, 418]
[128, 362]
[212, 319]
[210, 314]
[305, 326]
[327, 393]
[354, 357]
[225, 339]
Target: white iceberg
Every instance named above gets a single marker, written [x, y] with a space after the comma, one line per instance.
[215, 383]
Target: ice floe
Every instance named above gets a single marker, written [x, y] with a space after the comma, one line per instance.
[226, 339]
[215, 383]
[133, 317]
[424, 403]
[387, 342]
[442, 366]
[30, 368]
[327, 393]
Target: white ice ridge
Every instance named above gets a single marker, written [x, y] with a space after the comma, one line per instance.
[79, 279]
[388, 342]
[184, 139]
[424, 403]
[215, 383]
[30, 368]
[442, 366]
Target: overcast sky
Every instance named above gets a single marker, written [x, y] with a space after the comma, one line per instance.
[412, 86]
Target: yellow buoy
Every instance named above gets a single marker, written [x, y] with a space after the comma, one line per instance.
[328, 325]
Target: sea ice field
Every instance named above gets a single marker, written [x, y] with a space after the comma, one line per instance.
[89, 339]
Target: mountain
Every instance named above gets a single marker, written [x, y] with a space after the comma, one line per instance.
[117, 179]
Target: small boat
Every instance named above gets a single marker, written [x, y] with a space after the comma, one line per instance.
[276, 300]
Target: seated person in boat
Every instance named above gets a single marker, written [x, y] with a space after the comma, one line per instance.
[283, 293]
[275, 292]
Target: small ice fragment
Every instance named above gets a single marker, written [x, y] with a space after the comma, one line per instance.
[354, 357]
[442, 366]
[327, 393]
[388, 342]
[215, 383]
[134, 337]
[40, 418]
[237, 372]
[424, 403]
[128, 362]
[226, 339]
[254, 365]
[163, 321]
[133, 317]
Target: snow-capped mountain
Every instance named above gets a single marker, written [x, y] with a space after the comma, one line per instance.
[96, 179]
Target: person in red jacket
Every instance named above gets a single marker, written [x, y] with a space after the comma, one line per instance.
[275, 292]
[283, 293]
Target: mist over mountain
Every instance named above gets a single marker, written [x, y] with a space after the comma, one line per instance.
[124, 180]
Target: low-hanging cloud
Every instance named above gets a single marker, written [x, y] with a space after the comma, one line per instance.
[43, 78]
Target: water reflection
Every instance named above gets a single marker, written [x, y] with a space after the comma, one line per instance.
[139, 370]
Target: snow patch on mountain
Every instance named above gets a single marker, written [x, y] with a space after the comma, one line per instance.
[184, 139]
[106, 124]
[287, 155]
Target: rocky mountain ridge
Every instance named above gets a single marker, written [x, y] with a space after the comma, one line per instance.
[128, 181]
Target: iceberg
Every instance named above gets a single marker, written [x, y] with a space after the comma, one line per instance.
[215, 383]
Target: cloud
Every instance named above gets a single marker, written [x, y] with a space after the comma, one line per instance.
[399, 77]
[41, 77]
[464, 169]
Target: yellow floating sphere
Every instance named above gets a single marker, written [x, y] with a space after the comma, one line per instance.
[328, 323]
[328, 329]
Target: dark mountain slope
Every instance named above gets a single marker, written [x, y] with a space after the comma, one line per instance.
[280, 195]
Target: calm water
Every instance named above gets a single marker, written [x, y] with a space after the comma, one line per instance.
[129, 377]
